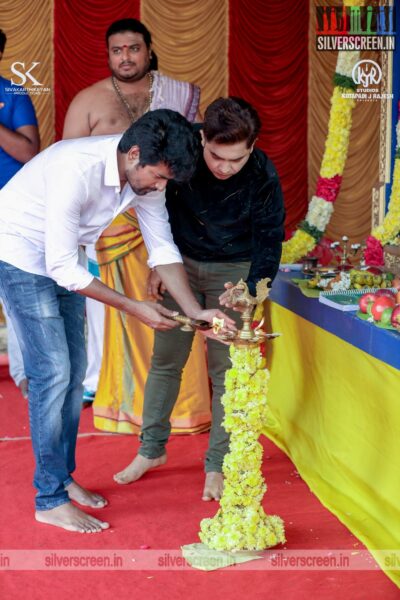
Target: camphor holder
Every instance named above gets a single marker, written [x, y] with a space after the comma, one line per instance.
[189, 324]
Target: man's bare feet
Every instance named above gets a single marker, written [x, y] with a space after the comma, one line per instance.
[213, 486]
[70, 517]
[84, 497]
[138, 467]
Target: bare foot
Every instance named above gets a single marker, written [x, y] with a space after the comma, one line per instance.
[213, 486]
[70, 517]
[138, 467]
[84, 497]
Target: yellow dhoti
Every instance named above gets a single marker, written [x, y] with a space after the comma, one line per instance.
[128, 344]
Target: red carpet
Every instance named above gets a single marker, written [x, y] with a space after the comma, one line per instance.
[3, 366]
[163, 511]
[14, 421]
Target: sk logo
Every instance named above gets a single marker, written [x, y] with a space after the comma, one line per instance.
[366, 73]
[24, 74]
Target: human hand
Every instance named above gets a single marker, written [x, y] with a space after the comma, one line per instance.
[225, 298]
[155, 286]
[154, 315]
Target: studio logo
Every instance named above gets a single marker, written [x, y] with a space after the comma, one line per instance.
[366, 73]
[367, 76]
[25, 74]
[355, 28]
[25, 80]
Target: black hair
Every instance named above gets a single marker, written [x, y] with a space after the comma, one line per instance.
[231, 120]
[165, 136]
[3, 39]
[135, 26]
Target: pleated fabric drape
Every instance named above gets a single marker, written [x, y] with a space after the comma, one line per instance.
[191, 42]
[29, 30]
[268, 66]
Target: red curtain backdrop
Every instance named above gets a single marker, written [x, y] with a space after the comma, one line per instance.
[80, 56]
[268, 66]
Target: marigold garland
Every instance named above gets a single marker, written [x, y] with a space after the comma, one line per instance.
[241, 523]
[336, 148]
[389, 229]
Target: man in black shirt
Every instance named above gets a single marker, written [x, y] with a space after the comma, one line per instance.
[228, 223]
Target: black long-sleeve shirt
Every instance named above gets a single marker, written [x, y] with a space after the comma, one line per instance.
[232, 220]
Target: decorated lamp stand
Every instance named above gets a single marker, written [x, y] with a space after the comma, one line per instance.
[241, 523]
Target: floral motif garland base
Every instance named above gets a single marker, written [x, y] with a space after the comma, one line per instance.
[241, 523]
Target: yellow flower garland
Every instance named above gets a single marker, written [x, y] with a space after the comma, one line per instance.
[338, 134]
[390, 227]
[241, 523]
[299, 245]
[336, 147]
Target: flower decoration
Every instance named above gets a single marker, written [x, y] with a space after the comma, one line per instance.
[373, 253]
[310, 230]
[328, 189]
[323, 252]
[241, 523]
[319, 213]
[388, 231]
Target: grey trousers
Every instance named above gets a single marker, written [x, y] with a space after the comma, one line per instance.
[171, 351]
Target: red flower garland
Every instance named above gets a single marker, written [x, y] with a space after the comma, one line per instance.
[328, 189]
[373, 253]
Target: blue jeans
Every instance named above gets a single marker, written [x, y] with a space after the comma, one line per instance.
[49, 323]
[16, 363]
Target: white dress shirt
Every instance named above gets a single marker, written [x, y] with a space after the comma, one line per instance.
[65, 197]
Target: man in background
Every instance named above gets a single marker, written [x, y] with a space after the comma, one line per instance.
[19, 142]
[134, 87]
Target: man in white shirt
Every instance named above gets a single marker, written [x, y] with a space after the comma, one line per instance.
[63, 199]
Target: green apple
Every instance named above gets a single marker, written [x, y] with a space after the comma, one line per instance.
[377, 280]
[369, 308]
[386, 317]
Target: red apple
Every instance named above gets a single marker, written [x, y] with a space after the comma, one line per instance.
[396, 317]
[383, 292]
[379, 306]
[365, 300]
[395, 283]
[398, 297]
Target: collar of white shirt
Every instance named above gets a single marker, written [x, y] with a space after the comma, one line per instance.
[111, 173]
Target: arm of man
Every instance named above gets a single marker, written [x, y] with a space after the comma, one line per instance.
[77, 119]
[165, 257]
[268, 232]
[20, 138]
[66, 189]
[152, 314]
